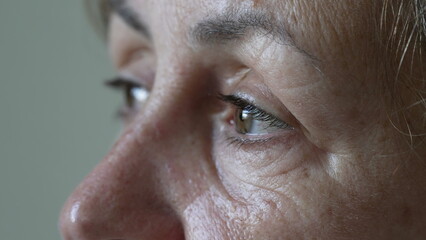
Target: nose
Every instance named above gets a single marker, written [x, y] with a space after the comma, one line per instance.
[122, 197]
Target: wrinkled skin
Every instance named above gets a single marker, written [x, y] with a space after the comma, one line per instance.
[342, 172]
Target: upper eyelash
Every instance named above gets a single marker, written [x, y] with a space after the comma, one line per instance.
[258, 113]
[120, 82]
[123, 83]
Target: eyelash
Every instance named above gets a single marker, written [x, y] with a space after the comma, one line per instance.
[258, 114]
[242, 138]
[127, 85]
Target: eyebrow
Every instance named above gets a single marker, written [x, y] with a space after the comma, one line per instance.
[220, 29]
[130, 17]
[233, 26]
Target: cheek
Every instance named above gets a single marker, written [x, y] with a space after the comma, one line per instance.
[290, 190]
[244, 168]
[216, 215]
[275, 183]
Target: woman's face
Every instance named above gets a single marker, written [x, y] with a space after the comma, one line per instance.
[251, 119]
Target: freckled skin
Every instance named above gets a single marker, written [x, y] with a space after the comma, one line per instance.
[344, 172]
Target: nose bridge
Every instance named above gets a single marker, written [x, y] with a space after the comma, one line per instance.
[122, 196]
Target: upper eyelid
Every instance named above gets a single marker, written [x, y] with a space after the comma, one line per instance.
[261, 114]
[243, 103]
[235, 100]
[121, 81]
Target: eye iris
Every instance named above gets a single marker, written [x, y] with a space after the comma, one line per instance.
[244, 121]
[140, 94]
[136, 95]
[253, 121]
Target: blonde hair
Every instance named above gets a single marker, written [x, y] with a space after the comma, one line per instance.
[402, 30]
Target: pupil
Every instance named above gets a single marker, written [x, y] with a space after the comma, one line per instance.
[135, 95]
[244, 121]
[140, 94]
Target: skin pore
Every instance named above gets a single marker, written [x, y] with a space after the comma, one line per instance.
[264, 120]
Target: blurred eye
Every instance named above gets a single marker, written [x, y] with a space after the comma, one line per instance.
[251, 120]
[134, 93]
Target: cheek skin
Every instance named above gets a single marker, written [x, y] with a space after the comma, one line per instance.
[332, 180]
[212, 215]
[340, 188]
[216, 215]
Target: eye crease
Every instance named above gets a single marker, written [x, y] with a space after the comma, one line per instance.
[251, 120]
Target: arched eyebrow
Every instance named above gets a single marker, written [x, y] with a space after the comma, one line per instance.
[232, 26]
[130, 17]
[235, 25]
[220, 29]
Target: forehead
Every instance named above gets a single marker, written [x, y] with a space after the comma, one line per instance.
[319, 25]
[297, 14]
[343, 9]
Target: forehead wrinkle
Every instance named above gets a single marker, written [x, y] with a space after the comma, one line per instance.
[268, 19]
[234, 24]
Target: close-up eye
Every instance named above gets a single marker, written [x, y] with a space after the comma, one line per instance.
[133, 92]
[251, 120]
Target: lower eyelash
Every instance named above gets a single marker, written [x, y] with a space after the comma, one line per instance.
[240, 142]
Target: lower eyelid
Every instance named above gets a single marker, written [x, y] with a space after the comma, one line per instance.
[251, 142]
[238, 141]
[277, 143]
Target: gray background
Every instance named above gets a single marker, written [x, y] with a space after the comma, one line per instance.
[56, 117]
